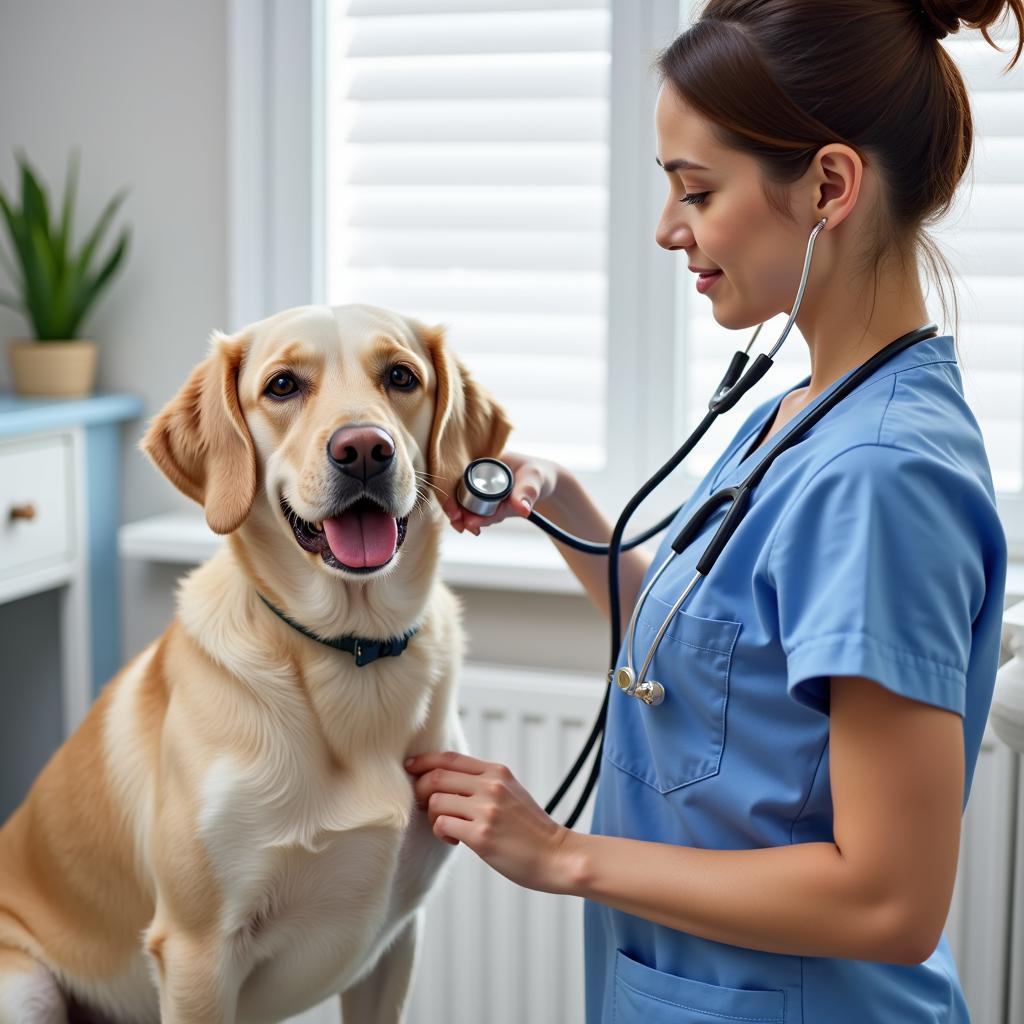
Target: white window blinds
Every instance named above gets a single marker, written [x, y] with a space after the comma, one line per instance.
[467, 169]
[983, 238]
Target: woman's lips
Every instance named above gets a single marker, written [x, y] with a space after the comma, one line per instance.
[707, 279]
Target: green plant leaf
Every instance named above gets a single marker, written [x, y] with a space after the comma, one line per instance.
[34, 204]
[92, 289]
[36, 250]
[16, 228]
[89, 249]
[48, 310]
[63, 305]
[35, 287]
[68, 212]
[12, 232]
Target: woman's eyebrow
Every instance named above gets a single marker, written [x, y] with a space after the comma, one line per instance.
[680, 165]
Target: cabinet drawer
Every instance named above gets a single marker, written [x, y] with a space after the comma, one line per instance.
[35, 478]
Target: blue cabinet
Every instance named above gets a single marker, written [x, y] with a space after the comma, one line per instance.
[60, 508]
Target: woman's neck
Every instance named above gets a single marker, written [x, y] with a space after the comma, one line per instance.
[843, 328]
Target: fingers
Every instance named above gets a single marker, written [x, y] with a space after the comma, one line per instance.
[445, 783]
[453, 830]
[450, 759]
[445, 809]
[474, 523]
[439, 780]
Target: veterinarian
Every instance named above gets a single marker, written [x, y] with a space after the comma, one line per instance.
[777, 840]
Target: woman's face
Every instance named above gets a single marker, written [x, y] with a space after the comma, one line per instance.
[718, 215]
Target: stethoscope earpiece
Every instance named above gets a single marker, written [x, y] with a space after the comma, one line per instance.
[650, 692]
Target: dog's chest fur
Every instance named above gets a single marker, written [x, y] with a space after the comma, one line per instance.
[311, 897]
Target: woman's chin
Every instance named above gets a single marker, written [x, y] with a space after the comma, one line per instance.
[733, 318]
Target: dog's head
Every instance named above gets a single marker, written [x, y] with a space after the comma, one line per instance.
[340, 418]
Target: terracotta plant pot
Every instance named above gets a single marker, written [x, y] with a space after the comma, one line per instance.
[63, 368]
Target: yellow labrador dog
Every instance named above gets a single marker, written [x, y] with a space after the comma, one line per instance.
[230, 835]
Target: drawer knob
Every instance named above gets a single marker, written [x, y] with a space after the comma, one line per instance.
[26, 511]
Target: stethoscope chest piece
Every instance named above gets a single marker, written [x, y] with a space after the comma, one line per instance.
[485, 484]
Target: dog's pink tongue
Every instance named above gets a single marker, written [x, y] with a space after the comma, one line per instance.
[363, 536]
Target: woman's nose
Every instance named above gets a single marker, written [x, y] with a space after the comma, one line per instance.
[672, 233]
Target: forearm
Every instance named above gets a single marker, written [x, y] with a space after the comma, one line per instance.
[802, 900]
[571, 508]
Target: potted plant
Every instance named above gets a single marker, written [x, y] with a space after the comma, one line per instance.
[56, 286]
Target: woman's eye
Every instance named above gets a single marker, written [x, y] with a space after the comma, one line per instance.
[402, 378]
[282, 385]
[694, 198]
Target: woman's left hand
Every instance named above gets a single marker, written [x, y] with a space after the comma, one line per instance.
[482, 805]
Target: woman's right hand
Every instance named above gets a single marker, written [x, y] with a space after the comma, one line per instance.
[534, 480]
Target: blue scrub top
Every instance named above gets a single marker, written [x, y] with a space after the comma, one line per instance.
[871, 548]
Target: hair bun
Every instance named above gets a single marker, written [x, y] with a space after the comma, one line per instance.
[940, 18]
[943, 17]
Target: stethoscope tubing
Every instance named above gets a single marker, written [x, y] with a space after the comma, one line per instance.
[739, 498]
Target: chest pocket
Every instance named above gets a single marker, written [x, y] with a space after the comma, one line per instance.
[680, 741]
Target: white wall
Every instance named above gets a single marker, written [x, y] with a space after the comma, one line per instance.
[139, 87]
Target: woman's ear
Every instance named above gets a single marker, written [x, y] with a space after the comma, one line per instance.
[200, 440]
[837, 175]
[468, 424]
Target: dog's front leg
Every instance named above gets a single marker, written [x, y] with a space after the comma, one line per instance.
[380, 996]
[194, 974]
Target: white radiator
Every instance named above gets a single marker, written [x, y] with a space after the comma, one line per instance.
[495, 953]
[980, 919]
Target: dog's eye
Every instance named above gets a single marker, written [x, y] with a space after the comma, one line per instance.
[282, 385]
[402, 378]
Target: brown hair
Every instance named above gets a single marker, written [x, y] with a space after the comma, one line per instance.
[779, 79]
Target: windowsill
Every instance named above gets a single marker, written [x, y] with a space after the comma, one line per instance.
[517, 557]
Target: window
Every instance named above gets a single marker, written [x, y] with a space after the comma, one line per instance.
[467, 184]
[984, 240]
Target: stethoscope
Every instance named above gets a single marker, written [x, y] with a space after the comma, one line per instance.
[488, 482]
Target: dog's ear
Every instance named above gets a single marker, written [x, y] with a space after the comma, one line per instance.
[468, 424]
[200, 440]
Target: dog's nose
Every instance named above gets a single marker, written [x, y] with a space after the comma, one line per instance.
[361, 451]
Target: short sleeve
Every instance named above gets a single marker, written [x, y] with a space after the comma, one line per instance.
[879, 570]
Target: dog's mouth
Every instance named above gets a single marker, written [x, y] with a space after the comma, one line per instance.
[361, 538]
